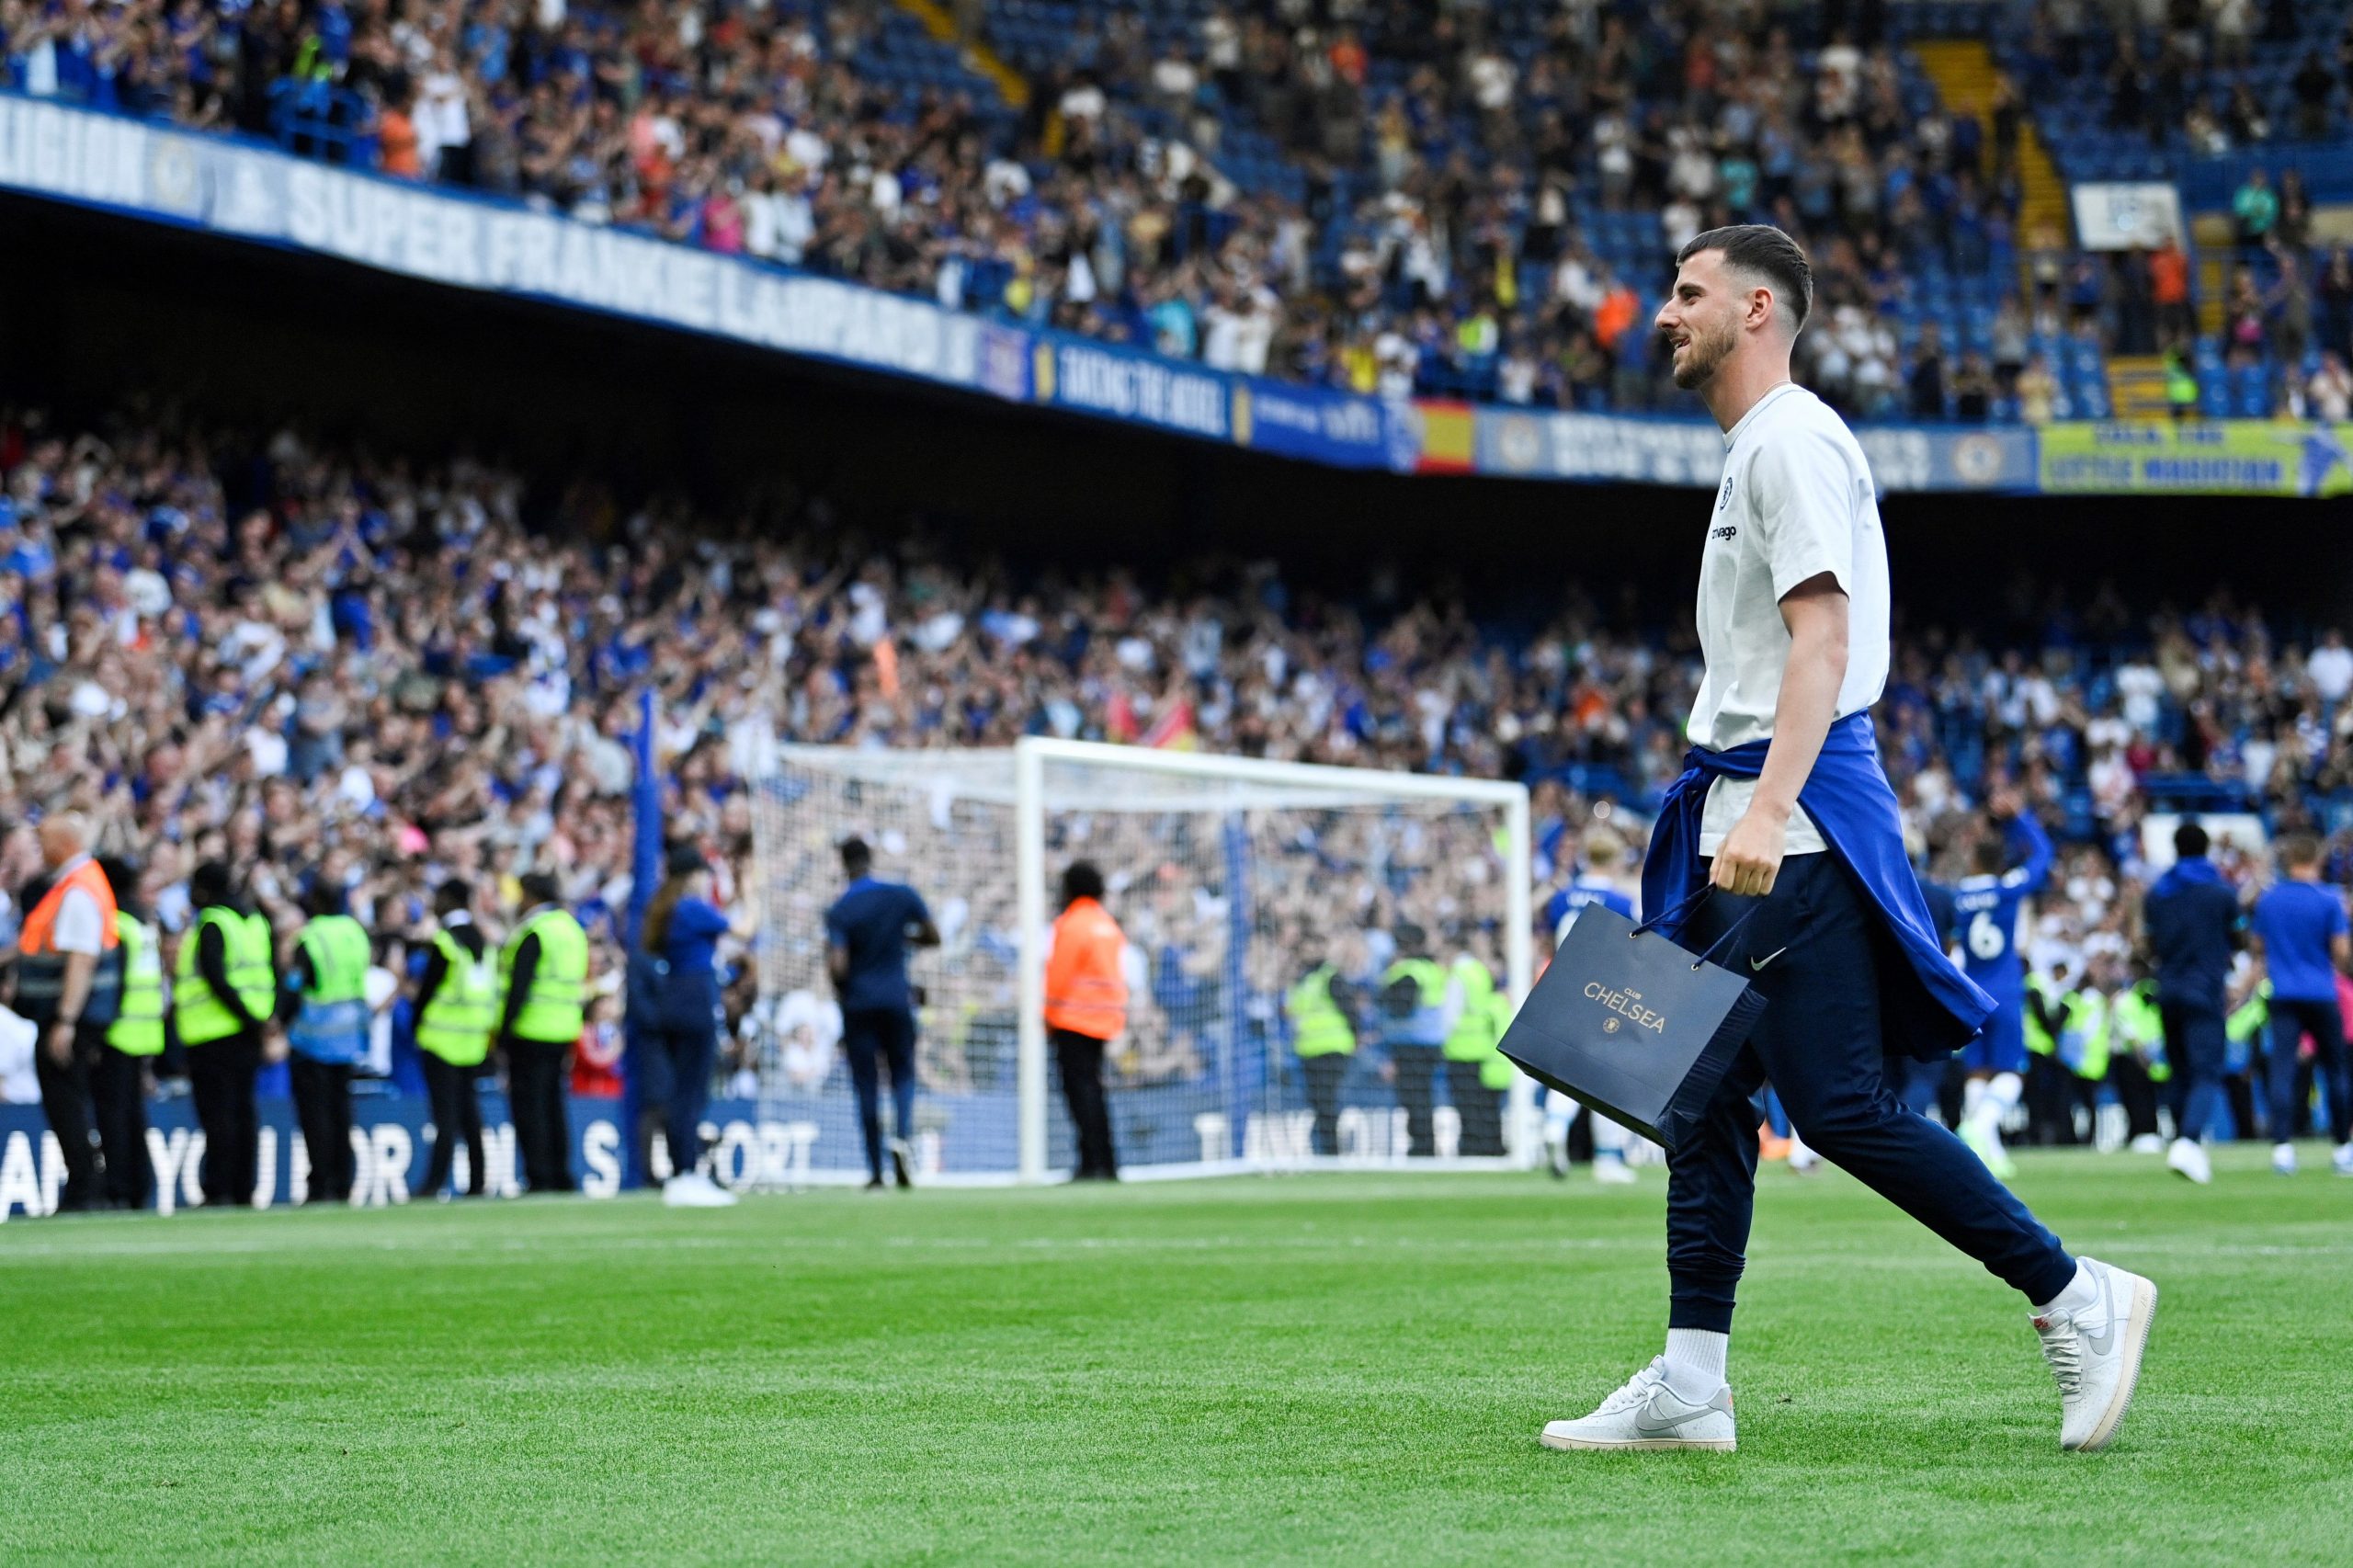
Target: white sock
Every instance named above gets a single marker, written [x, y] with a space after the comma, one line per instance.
[1973, 1095]
[2002, 1092]
[1609, 1139]
[2080, 1292]
[1560, 1115]
[1695, 1363]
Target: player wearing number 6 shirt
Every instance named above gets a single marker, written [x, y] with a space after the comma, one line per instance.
[1988, 906]
[1782, 841]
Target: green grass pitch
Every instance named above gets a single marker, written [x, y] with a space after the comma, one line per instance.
[1346, 1370]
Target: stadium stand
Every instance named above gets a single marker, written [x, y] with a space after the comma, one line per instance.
[323, 664]
[1444, 200]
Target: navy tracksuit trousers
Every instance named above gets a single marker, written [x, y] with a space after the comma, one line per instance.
[1820, 1044]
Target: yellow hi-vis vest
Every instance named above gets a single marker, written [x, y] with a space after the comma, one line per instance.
[462, 1011]
[1497, 1071]
[1474, 1038]
[554, 1010]
[138, 1027]
[1319, 1025]
[203, 1018]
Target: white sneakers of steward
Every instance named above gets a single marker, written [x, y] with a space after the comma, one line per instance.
[1646, 1414]
[2095, 1352]
[2187, 1157]
[696, 1190]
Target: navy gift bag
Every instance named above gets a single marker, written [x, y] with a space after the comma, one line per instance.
[1633, 1026]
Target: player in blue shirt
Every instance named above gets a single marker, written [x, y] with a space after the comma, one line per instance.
[2300, 937]
[1595, 882]
[1989, 907]
[867, 932]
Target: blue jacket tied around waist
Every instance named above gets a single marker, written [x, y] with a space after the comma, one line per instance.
[1928, 1008]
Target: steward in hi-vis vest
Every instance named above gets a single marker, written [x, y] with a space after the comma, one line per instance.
[1419, 1004]
[118, 1072]
[1324, 1037]
[457, 1000]
[326, 1000]
[224, 991]
[542, 1002]
[1470, 1047]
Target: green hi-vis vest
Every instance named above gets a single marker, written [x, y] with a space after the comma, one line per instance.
[2038, 1038]
[1496, 1072]
[332, 1025]
[2136, 1024]
[1319, 1025]
[337, 946]
[1475, 1035]
[458, 1020]
[203, 1018]
[551, 1013]
[138, 1027]
[2246, 1025]
[2091, 1019]
[1425, 1025]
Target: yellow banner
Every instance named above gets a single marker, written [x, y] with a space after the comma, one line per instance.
[2214, 456]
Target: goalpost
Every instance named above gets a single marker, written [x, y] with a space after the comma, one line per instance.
[1231, 879]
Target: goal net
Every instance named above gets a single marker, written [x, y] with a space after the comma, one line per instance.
[1231, 880]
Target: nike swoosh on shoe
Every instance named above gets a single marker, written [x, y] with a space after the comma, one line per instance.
[2101, 1342]
[1651, 1428]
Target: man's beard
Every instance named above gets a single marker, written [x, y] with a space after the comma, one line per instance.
[1704, 355]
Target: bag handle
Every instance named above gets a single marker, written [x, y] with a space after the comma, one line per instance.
[1690, 901]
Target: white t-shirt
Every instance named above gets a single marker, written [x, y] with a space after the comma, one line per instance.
[1796, 501]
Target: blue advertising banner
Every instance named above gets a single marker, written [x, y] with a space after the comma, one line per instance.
[1635, 449]
[795, 1140]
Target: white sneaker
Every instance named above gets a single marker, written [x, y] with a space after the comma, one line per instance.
[2148, 1144]
[2187, 1158]
[2095, 1352]
[1803, 1161]
[696, 1190]
[2344, 1160]
[2283, 1159]
[1646, 1414]
[1611, 1171]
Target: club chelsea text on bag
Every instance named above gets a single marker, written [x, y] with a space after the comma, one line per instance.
[1633, 1026]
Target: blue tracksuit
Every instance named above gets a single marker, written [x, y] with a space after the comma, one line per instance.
[2192, 920]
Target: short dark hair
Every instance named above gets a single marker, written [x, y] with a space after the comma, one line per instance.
[2189, 840]
[1765, 250]
[452, 895]
[542, 888]
[322, 898]
[1081, 880]
[856, 857]
[210, 884]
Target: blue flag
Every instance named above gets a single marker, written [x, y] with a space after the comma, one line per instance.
[644, 876]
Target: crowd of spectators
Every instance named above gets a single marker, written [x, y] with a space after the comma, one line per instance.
[1389, 197]
[315, 663]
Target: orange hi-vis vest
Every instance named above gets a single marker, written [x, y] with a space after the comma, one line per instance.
[1085, 993]
[40, 969]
